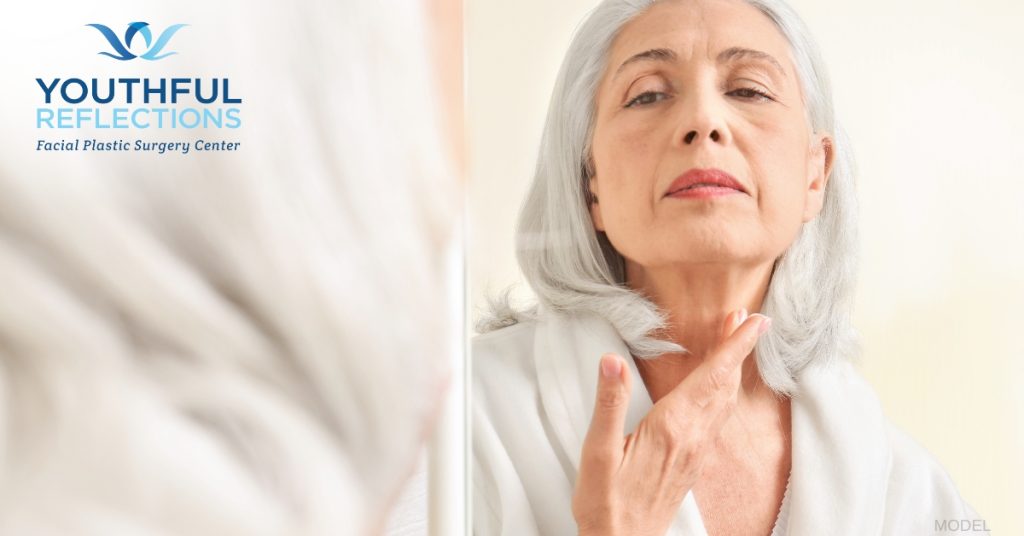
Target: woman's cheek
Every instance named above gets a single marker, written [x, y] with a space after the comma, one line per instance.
[782, 209]
[628, 221]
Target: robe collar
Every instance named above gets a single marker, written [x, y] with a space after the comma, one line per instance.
[841, 455]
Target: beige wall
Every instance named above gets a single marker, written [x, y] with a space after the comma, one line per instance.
[931, 97]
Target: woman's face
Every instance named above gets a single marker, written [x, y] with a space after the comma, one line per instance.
[694, 103]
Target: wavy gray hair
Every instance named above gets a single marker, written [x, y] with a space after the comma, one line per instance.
[573, 268]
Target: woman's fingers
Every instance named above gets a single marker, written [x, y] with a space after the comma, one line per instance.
[732, 323]
[718, 377]
[603, 444]
[700, 397]
[634, 485]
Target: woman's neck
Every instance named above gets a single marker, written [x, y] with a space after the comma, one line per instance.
[697, 299]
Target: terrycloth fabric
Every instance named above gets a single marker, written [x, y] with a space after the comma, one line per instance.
[782, 521]
[534, 384]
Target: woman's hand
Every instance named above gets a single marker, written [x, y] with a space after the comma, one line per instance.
[633, 485]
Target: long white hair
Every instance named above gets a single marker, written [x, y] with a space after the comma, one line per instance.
[573, 268]
[225, 343]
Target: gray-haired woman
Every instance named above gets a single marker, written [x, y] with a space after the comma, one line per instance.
[691, 170]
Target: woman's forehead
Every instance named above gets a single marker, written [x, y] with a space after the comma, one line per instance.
[700, 30]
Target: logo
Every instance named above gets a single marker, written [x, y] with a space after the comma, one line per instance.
[84, 113]
[138, 28]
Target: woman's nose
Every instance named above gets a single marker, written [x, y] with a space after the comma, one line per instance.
[692, 135]
[703, 117]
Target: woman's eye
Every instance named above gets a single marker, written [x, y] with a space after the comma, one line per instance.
[646, 97]
[751, 93]
[650, 97]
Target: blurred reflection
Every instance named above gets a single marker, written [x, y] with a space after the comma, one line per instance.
[239, 342]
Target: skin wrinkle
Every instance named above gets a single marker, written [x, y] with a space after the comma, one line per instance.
[730, 55]
[701, 259]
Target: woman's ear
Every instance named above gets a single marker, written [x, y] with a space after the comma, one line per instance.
[595, 210]
[821, 156]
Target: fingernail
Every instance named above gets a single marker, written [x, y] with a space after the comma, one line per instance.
[741, 317]
[765, 324]
[610, 366]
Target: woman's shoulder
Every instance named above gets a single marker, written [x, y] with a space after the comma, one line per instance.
[916, 473]
[508, 351]
[516, 332]
[518, 471]
[504, 355]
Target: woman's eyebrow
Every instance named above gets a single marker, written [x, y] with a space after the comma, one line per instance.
[654, 54]
[725, 56]
[736, 53]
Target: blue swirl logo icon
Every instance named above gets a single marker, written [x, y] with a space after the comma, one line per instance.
[122, 51]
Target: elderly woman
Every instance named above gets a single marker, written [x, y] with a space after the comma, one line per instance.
[690, 234]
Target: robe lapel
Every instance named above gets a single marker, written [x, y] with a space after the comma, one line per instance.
[841, 454]
[568, 351]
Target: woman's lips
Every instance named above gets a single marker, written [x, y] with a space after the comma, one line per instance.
[701, 192]
[715, 182]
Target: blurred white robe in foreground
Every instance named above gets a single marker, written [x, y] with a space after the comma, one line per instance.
[534, 383]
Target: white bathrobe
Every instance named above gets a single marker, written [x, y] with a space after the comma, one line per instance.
[534, 384]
